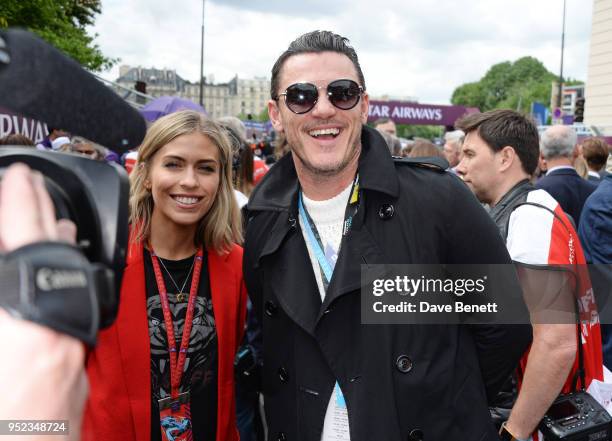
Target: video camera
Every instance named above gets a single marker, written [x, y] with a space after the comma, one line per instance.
[73, 289]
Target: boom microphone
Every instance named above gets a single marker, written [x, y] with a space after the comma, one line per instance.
[38, 81]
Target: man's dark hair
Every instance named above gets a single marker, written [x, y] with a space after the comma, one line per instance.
[315, 41]
[501, 128]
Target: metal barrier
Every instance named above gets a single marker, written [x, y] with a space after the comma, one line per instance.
[131, 96]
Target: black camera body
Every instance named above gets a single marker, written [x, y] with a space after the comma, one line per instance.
[94, 195]
[576, 417]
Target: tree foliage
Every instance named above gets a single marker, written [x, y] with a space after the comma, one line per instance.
[410, 131]
[508, 85]
[259, 117]
[61, 23]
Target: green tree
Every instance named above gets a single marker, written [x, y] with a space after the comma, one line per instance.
[263, 115]
[470, 95]
[259, 117]
[61, 23]
[410, 131]
[508, 84]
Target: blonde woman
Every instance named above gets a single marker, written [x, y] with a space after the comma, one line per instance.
[183, 273]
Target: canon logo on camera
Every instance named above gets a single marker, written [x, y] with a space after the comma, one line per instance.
[48, 279]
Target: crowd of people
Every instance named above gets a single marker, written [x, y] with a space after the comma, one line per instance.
[238, 252]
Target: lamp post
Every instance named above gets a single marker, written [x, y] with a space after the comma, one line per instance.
[202, 59]
[560, 90]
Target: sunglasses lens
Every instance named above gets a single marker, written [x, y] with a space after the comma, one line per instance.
[344, 94]
[302, 97]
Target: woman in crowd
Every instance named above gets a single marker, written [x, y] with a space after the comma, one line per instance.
[87, 148]
[423, 148]
[164, 370]
[245, 180]
[236, 132]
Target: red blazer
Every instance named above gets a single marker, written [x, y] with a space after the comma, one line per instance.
[119, 370]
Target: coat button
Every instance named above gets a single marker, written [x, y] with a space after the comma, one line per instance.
[416, 435]
[403, 364]
[271, 308]
[292, 222]
[386, 211]
[281, 436]
[283, 374]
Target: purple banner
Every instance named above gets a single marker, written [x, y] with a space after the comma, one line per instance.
[404, 112]
[12, 123]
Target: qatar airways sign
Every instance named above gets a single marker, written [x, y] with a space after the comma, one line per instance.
[413, 113]
[11, 123]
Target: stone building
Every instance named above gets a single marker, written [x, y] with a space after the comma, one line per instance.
[598, 105]
[239, 96]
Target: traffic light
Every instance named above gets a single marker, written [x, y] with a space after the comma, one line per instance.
[579, 110]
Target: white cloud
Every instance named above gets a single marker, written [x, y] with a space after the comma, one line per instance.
[406, 47]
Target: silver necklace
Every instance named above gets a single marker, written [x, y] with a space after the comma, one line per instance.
[180, 296]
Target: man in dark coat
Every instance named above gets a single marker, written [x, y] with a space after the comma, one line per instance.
[558, 147]
[338, 201]
[596, 237]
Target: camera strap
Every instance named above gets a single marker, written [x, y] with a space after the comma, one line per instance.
[580, 373]
[175, 410]
[177, 363]
[53, 284]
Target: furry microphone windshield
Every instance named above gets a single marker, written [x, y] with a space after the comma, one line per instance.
[39, 82]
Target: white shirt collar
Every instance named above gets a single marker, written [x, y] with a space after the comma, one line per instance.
[594, 174]
[559, 167]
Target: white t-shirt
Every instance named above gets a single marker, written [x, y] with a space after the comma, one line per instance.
[328, 216]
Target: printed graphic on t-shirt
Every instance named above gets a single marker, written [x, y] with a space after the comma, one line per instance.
[201, 360]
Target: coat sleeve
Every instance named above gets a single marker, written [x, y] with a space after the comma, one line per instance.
[475, 239]
[242, 311]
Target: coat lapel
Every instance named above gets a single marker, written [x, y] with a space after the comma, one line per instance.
[294, 284]
[377, 175]
[358, 249]
[133, 333]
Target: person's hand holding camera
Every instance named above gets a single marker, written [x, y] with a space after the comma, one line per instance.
[42, 374]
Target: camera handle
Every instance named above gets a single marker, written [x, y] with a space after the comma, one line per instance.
[53, 284]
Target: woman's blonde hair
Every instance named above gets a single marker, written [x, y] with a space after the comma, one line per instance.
[221, 226]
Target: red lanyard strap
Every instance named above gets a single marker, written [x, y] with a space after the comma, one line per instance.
[177, 364]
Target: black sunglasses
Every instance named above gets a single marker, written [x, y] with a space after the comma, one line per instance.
[302, 97]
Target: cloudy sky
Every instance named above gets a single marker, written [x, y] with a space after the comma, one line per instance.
[419, 48]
